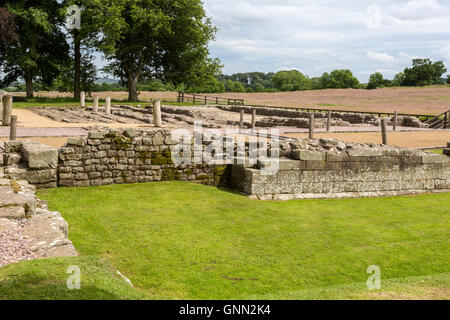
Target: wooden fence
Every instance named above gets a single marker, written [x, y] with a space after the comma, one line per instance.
[197, 98]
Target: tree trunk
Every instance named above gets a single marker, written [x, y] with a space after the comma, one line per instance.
[77, 57]
[29, 84]
[132, 89]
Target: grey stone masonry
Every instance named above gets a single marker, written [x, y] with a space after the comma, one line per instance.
[344, 171]
[32, 162]
[447, 150]
[129, 156]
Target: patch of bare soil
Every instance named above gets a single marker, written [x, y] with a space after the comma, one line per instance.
[411, 139]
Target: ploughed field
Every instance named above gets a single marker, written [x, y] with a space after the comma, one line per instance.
[176, 240]
[418, 100]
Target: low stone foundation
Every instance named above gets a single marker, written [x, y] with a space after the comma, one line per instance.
[349, 173]
[306, 168]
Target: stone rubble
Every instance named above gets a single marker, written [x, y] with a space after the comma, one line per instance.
[28, 230]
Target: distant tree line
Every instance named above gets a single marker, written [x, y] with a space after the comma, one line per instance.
[150, 45]
[423, 72]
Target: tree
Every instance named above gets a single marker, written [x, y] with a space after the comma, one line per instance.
[8, 33]
[84, 38]
[88, 75]
[41, 48]
[291, 81]
[376, 80]
[448, 79]
[424, 72]
[157, 39]
[339, 79]
[398, 79]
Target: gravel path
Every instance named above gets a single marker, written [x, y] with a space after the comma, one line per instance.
[44, 132]
[13, 245]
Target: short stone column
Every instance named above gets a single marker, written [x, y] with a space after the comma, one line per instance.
[13, 128]
[108, 105]
[157, 114]
[7, 110]
[253, 120]
[95, 106]
[311, 125]
[83, 99]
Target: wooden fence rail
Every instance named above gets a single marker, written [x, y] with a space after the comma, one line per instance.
[197, 98]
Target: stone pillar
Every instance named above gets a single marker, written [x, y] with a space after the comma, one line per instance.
[241, 121]
[328, 120]
[108, 105]
[384, 131]
[253, 120]
[157, 114]
[311, 125]
[95, 107]
[13, 128]
[83, 99]
[7, 109]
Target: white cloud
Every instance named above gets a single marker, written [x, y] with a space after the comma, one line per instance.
[382, 57]
[319, 36]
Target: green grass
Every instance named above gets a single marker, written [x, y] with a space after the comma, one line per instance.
[46, 280]
[177, 240]
[438, 151]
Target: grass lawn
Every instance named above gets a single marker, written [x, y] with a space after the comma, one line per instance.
[438, 151]
[178, 240]
[70, 102]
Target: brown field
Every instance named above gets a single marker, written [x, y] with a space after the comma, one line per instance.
[426, 100]
[413, 139]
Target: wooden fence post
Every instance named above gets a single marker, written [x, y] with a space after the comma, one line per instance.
[7, 109]
[13, 128]
[311, 125]
[384, 131]
[394, 127]
[328, 120]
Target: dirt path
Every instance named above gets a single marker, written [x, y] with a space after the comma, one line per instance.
[29, 119]
[414, 139]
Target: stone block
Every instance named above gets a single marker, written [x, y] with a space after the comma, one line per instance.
[96, 135]
[38, 156]
[308, 155]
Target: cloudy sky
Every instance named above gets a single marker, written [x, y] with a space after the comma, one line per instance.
[323, 35]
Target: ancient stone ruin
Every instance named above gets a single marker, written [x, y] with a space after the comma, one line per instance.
[28, 230]
[305, 169]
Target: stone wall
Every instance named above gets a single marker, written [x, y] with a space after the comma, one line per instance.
[117, 157]
[341, 171]
[32, 162]
[338, 118]
[306, 168]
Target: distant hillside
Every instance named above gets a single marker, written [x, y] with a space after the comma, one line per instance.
[106, 80]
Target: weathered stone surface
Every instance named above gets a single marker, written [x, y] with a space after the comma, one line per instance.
[39, 156]
[27, 229]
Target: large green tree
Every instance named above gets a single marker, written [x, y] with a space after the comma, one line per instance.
[291, 81]
[339, 79]
[157, 39]
[424, 72]
[85, 37]
[41, 48]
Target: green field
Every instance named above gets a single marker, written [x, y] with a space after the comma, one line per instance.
[177, 240]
